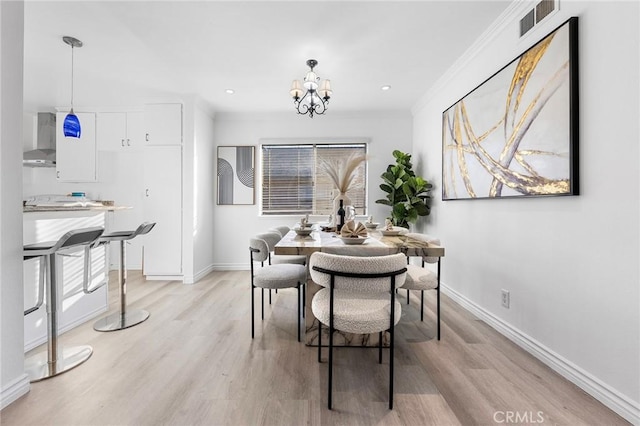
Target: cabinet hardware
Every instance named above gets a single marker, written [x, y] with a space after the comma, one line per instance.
[122, 143]
[128, 142]
[146, 192]
[146, 137]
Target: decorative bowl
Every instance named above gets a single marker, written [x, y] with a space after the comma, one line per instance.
[392, 233]
[371, 225]
[352, 240]
[303, 232]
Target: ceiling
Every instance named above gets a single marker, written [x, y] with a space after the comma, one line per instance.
[137, 51]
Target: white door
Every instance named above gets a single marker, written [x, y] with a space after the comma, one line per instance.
[163, 205]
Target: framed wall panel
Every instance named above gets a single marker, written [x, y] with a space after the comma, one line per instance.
[236, 170]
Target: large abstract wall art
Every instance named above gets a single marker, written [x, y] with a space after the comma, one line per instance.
[516, 135]
[236, 165]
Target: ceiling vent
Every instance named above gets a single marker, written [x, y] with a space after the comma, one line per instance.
[537, 14]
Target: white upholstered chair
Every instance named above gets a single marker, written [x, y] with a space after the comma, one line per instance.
[358, 297]
[421, 278]
[275, 236]
[272, 276]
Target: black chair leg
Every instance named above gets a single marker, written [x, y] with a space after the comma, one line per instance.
[262, 291]
[391, 344]
[421, 305]
[304, 299]
[438, 297]
[380, 347]
[330, 365]
[319, 341]
[299, 313]
[438, 309]
[252, 311]
[407, 296]
[269, 296]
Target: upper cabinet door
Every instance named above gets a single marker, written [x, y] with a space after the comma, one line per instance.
[119, 131]
[76, 157]
[111, 130]
[163, 124]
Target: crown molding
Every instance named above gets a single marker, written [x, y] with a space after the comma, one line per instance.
[508, 17]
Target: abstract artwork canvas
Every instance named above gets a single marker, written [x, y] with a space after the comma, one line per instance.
[516, 135]
[236, 166]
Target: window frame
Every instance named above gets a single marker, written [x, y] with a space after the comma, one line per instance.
[307, 141]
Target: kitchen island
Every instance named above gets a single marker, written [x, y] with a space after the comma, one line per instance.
[49, 223]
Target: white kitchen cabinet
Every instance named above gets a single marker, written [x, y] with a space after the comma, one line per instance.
[162, 253]
[76, 157]
[163, 124]
[119, 131]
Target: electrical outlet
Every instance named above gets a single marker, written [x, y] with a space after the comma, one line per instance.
[505, 298]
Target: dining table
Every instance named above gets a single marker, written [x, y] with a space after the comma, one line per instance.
[375, 244]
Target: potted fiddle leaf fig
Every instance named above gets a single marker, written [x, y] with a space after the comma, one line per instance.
[408, 195]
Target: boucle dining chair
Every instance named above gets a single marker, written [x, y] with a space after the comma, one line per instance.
[275, 235]
[421, 278]
[358, 297]
[272, 276]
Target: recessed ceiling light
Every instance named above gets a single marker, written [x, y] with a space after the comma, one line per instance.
[385, 88]
[230, 91]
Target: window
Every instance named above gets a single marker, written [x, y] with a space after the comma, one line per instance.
[294, 182]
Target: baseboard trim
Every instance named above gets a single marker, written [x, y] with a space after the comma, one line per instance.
[14, 390]
[604, 393]
[89, 316]
[164, 277]
[201, 274]
[230, 267]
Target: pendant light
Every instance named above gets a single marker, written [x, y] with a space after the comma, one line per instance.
[71, 125]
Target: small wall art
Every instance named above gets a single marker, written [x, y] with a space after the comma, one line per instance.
[236, 167]
[516, 134]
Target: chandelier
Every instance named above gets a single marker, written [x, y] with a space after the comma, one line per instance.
[313, 100]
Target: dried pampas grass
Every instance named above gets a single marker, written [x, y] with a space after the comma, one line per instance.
[342, 171]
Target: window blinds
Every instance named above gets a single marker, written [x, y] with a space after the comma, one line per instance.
[294, 183]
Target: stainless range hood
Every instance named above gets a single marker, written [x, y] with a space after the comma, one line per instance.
[45, 154]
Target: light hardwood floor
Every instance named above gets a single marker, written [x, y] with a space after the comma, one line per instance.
[193, 363]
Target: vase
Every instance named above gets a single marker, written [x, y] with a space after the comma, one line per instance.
[346, 201]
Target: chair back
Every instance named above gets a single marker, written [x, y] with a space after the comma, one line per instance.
[361, 274]
[144, 228]
[78, 237]
[271, 237]
[426, 238]
[259, 248]
[283, 230]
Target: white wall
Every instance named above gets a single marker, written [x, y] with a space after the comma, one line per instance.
[570, 263]
[13, 381]
[234, 225]
[198, 256]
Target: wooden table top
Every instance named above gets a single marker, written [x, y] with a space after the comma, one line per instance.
[375, 245]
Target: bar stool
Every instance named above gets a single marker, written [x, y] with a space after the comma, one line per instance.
[51, 363]
[124, 318]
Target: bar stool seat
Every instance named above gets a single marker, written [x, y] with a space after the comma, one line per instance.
[124, 318]
[53, 362]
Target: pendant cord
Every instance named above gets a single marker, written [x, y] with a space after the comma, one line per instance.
[72, 78]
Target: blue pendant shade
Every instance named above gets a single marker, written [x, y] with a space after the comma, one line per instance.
[71, 126]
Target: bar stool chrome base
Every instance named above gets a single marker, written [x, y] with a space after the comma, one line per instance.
[38, 368]
[119, 321]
